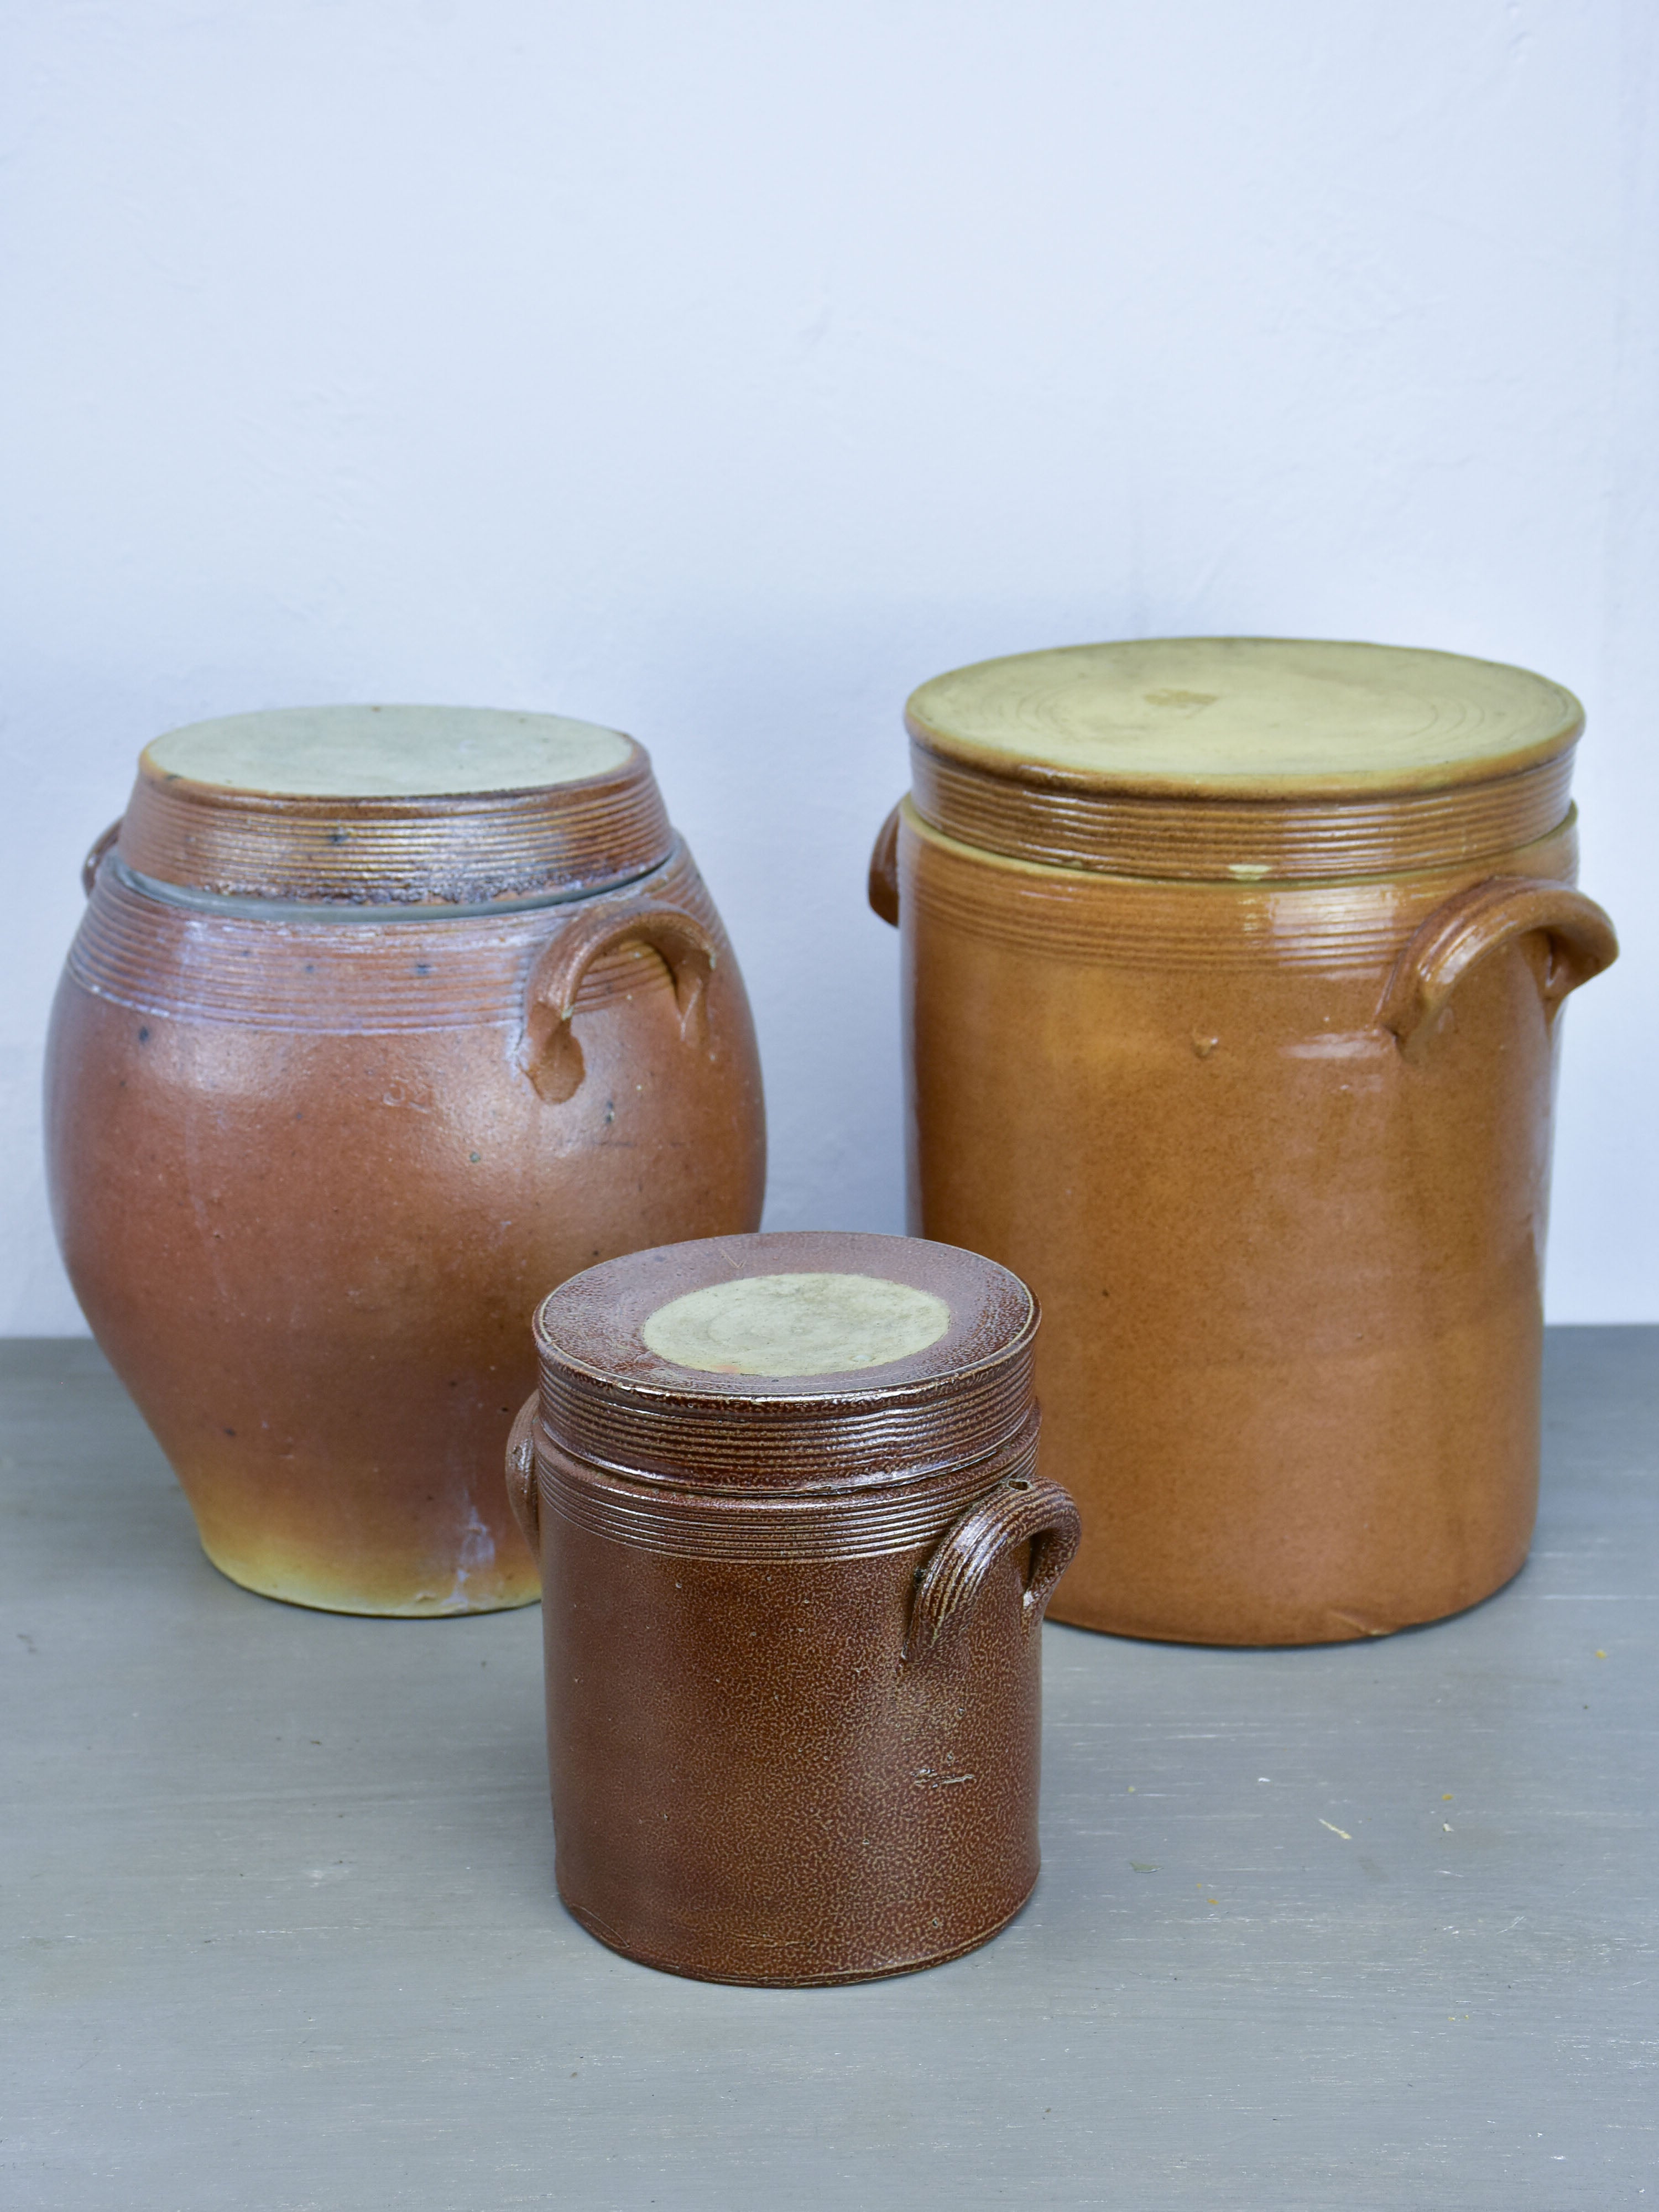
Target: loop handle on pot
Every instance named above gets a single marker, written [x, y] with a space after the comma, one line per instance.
[551, 1057]
[883, 870]
[1024, 1510]
[89, 865]
[522, 1488]
[1471, 926]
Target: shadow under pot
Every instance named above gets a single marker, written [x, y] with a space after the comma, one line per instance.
[795, 1555]
[1232, 973]
[380, 1020]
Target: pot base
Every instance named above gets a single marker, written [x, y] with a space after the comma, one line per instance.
[319, 1596]
[890, 1972]
[1329, 1624]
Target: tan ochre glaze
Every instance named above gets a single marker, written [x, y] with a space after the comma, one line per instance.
[792, 1616]
[1248, 1072]
[313, 1159]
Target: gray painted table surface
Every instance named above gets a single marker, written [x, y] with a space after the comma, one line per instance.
[1369, 1925]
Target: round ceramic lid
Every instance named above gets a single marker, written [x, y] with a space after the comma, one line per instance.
[385, 807]
[742, 1359]
[1244, 717]
[387, 753]
[794, 1314]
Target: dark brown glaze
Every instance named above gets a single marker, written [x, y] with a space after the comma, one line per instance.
[311, 1169]
[794, 1691]
[1273, 1151]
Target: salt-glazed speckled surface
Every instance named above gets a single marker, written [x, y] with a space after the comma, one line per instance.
[1232, 975]
[795, 1557]
[381, 1020]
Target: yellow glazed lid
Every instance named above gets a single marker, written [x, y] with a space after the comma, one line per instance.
[1244, 717]
[1242, 759]
[387, 753]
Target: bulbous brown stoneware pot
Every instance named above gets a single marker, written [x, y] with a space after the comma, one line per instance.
[379, 1021]
[1233, 977]
[795, 1556]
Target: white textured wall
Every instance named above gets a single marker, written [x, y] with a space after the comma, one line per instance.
[722, 371]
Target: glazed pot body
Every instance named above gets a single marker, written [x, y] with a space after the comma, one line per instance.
[1256, 1094]
[750, 1783]
[308, 1191]
[1292, 1276]
[794, 1695]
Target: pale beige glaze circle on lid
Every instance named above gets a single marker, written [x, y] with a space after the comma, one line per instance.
[1245, 716]
[387, 753]
[805, 1324]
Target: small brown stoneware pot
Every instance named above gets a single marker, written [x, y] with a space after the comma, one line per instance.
[1233, 971]
[381, 1019]
[795, 1555]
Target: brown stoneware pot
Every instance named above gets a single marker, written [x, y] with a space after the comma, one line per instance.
[1232, 975]
[381, 1019]
[795, 1556]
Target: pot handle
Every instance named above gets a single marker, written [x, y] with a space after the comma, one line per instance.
[100, 845]
[883, 870]
[521, 1485]
[551, 1055]
[1471, 926]
[1024, 1510]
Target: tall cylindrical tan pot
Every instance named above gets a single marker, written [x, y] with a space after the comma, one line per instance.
[1232, 977]
[379, 1022]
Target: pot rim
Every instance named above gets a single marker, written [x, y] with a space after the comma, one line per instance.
[227, 904]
